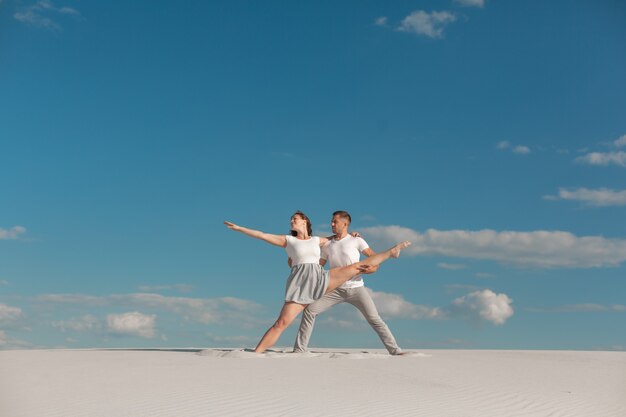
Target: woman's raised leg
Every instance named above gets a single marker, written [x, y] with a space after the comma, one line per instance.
[288, 313]
[337, 276]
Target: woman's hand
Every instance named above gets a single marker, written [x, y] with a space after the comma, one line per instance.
[232, 226]
[278, 240]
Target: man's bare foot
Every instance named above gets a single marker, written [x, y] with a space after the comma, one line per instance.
[395, 251]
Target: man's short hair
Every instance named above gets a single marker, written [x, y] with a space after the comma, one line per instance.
[344, 215]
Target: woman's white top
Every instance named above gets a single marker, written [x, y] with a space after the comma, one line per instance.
[303, 251]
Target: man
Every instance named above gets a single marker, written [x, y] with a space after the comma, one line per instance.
[344, 249]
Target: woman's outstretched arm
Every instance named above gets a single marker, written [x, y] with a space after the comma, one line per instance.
[278, 240]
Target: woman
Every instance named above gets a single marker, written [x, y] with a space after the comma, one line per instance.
[308, 280]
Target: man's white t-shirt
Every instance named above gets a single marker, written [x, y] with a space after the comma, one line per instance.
[345, 252]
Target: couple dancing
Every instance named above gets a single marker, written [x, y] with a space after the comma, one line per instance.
[308, 280]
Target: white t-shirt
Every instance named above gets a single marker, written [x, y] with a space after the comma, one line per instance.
[303, 251]
[345, 252]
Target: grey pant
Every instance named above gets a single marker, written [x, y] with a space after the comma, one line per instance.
[358, 297]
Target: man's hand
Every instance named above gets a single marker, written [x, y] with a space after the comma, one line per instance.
[367, 269]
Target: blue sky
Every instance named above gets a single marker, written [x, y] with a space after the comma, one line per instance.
[491, 133]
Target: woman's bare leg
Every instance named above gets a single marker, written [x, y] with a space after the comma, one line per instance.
[288, 313]
[337, 276]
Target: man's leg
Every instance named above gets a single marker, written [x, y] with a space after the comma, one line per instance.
[361, 299]
[308, 318]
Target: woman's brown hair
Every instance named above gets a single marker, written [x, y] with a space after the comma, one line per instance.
[309, 226]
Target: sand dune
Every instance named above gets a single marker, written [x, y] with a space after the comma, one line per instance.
[324, 382]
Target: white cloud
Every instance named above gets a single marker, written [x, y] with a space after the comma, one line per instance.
[543, 249]
[395, 306]
[368, 218]
[133, 323]
[586, 308]
[8, 313]
[338, 323]
[184, 288]
[29, 16]
[38, 14]
[521, 150]
[484, 305]
[428, 24]
[504, 144]
[231, 341]
[11, 234]
[603, 158]
[471, 3]
[7, 342]
[381, 21]
[68, 11]
[613, 157]
[81, 324]
[79, 299]
[518, 149]
[203, 310]
[476, 307]
[581, 308]
[621, 141]
[601, 197]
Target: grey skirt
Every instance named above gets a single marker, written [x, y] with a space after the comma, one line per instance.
[306, 283]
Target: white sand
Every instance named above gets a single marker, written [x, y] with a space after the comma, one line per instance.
[446, 383]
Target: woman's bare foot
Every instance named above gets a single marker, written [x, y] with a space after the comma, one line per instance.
[395, 251]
